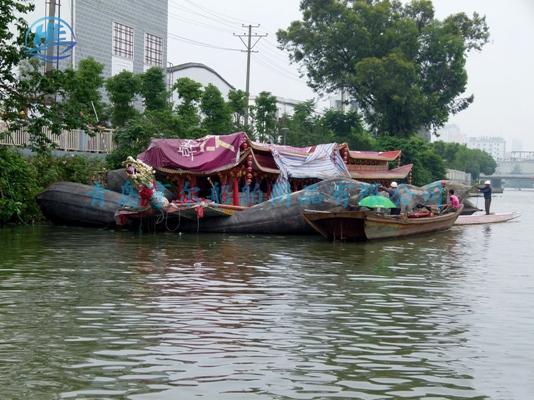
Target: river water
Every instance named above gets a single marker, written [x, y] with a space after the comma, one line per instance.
[99, 314]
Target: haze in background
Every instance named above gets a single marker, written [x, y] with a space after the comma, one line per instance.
[500, 76]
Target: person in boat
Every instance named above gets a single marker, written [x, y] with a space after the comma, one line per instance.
[486, 190]
[394, 196]
[455, 202]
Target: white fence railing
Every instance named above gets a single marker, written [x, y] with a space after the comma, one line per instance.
[73, 140]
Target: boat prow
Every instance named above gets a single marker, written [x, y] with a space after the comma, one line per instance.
[478, 219]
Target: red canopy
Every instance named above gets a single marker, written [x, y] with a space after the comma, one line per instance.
[205, 155]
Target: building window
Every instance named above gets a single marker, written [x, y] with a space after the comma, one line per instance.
[122, 40]
[153, 50]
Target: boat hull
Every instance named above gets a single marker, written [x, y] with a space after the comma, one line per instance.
[344, 225]
[384, 228]
[358, 225]
[69, 203]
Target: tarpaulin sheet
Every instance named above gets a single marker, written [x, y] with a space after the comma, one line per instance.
[324, 162]
[205, 155]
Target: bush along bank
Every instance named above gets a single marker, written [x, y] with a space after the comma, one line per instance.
[22, 178]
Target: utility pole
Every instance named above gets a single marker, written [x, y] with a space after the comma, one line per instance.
[249, 49]
[50, 26]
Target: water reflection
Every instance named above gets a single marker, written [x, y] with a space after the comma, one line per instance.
[102, 314]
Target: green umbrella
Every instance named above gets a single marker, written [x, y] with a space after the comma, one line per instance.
[376, 202]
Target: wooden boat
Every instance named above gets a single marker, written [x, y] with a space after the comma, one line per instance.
[369, 225]
[69, 203]
[486, 219]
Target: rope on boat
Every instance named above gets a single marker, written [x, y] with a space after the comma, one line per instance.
[167, 223]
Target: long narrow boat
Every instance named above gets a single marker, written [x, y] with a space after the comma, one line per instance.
[486, 219]
[366, 225]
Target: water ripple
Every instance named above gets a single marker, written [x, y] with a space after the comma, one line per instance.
[89, 314]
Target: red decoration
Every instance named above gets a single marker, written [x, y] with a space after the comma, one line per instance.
[145, 194]
[235, 191]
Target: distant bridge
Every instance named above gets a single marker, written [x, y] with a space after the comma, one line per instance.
[510, 180]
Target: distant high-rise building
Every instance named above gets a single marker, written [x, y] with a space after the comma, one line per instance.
[451, 134]
[494, 146]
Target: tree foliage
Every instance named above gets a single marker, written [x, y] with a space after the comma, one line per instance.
[122, 90]
[189, 95]
[458, 156]
[305, 126]
[12, 29]
[23, 178]
[83, 97]
[428, 166]
[216, 112]
[264, 115]
[37, 102]
[347, 128]
[237, 101]
[153, 90]
[403, 68]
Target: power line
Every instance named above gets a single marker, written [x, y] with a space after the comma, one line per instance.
[280, 56]
[208, 17]
[201, 44]
[199, 23]
[288, 75]
[217, 14]
[280, 66]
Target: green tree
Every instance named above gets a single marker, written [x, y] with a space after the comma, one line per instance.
[18, 187]
[237, 101]
[264, 115]
[217, 114]
[122, 89]
[189, 93]
[305, 126]
[153, 90]
[30, 100]
[347, 128]
[403, 68]
[12, 29]
[83, 92]
[428, 166]
[458, 156]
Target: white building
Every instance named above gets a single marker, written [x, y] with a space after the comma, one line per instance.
[200, 73]
[493, 145]
[205, 75]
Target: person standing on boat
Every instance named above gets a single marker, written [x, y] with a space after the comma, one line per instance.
[486, 190]
[395, 197]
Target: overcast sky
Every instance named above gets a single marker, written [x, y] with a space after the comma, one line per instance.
[501, 76]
